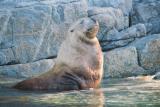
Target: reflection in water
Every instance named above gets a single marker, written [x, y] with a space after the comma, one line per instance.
[78, 98]
[71, 99]
[85, 98]
[132, 92]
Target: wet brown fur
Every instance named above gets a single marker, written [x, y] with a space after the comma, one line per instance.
[64, 79]
[70, 76]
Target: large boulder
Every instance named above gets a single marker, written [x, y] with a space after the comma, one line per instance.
[149, 52]
[135, 31]
[124, 5]
[114, 30]
[122, 62]
[141, 57]
[32, 30]
[116, 39]
[26, 70]
[109, 18]
[148, 12]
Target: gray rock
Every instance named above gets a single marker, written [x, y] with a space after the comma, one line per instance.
[149, 52]
[157, 76]
[33, 30]
[122, 62]
[124, 5]
[148, 12]
[6, 32]
[150, 56]
[135, 31]
[115, 39]
[108, 18]
[106, 46]
[27, 70]
[7, 56]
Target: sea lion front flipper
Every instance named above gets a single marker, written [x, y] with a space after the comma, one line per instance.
[70, 81]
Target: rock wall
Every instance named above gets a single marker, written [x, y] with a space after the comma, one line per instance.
[31, 32]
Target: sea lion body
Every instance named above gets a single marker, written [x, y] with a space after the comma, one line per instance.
[79, 64]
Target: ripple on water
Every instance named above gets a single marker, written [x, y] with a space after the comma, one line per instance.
[115, 93]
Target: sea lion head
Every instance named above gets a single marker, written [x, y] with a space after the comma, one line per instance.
[85, 27]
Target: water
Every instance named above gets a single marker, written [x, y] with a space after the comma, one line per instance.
[131, 92]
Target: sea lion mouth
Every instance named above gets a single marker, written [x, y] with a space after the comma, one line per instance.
[92, 32]
[93, 29]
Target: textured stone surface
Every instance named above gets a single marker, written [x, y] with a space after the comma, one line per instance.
[124, 5]
[134, 31]
[122, 62]
[106, 46]
[26, 70]
[6, 56]
[147, 11]
[149, 52]
[109, 18]
[31, 30]
[150, 56]
[114, 27]
[115, 39]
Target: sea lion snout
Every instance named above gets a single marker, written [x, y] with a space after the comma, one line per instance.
[93, 29]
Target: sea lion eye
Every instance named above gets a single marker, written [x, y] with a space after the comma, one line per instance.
[90, 29]
[71, 30]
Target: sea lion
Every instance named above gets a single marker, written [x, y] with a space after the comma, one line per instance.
[79, 64]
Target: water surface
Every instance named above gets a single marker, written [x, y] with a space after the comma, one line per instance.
[131, 92]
